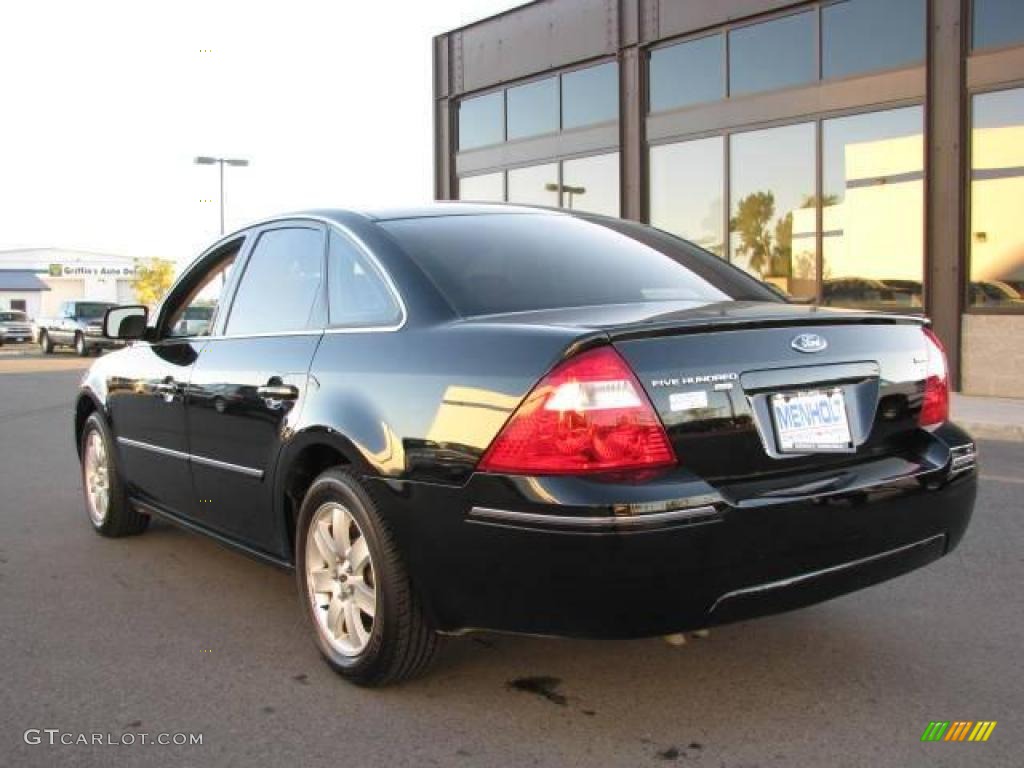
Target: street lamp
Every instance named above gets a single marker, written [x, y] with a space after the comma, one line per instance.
[567, 189]
[221, 161]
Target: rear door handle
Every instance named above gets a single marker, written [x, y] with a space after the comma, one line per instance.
[167, 389]
[278, 391]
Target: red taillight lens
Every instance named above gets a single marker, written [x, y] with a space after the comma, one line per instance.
[935, 406]
[589, 414]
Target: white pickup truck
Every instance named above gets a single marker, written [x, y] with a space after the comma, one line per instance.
[14, 326]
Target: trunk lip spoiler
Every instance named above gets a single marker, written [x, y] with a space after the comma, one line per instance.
[680, 327]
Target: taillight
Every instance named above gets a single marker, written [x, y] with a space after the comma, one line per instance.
[935, 406]
[589, 414]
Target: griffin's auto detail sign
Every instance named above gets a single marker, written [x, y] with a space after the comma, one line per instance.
[89, 270]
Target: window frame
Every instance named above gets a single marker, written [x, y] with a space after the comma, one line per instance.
[557, 160]
[970, 49]
[193, 274]
[246, 239]
[690, 37]
[968, 169]
[457, 132]
[814, 11]
[817, 119]
[242, 263]
[725, 29]
[378, 269]
[504, 88]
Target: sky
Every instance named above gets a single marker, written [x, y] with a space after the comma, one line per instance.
[104, 105]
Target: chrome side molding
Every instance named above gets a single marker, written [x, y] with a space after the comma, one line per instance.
[225, 465]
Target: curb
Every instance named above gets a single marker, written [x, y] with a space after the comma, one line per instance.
[989, 431]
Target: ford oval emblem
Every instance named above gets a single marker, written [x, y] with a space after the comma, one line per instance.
[809, 342]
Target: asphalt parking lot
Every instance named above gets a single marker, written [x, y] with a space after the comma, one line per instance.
[168, 633]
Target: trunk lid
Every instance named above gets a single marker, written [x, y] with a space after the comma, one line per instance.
[711, 372]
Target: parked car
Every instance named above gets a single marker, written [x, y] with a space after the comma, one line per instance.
[14, 326]
[80, 325]
[994, 293]
[466, 417]
[195, 320]
[871, 294]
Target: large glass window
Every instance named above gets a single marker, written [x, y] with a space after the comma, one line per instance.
[997, 200]
[773, 54]
[862, 35]
[997, 23]
[535, 185]
[590, 95]
[485, 188]
[482, 120]
[687, 73]
[873, 209]
[592, 184]
[687, 181]
[533, 108]
[280, 284]
[772, 215]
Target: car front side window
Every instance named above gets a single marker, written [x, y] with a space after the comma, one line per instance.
[195, 312]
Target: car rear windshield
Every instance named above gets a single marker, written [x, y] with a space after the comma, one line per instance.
[504, 262]
[91, 311]
[6, 317]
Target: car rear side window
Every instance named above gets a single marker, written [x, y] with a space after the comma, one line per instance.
[281, 283]
[486, 264]
[359, 296]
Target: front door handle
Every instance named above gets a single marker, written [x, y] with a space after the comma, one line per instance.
[278, 391]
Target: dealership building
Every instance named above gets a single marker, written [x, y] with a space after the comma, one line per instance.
[855, 153]
[38, 280]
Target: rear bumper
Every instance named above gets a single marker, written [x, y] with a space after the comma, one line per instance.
[599, 558]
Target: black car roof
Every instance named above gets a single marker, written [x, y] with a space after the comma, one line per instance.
[427, 210]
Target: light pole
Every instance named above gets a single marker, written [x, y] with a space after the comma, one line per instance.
[567, 189]
[221, 161]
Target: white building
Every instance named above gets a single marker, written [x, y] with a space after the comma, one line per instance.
[37, 280]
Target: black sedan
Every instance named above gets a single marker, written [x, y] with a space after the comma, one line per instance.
[486, 417]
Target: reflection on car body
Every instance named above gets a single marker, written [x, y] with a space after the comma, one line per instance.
[459, 417]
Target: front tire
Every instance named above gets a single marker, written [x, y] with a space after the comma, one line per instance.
[45, 343]
[105, 498]
[354, 589]
[80, 346]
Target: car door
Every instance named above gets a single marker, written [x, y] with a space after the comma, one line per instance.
[62, 327]
[250, 381]
[148, 385]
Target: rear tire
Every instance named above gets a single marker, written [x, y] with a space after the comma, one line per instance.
[347, 565]
[106, 500]
[45, 343]
[80, 346]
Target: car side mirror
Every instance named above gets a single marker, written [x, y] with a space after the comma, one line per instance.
[127, 322]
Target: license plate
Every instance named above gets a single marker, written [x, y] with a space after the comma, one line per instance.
[811, 421]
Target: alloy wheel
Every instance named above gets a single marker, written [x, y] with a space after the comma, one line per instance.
[340, 579]
[96, 471]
